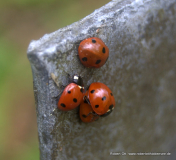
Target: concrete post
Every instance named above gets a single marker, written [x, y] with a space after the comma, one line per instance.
[140, 71]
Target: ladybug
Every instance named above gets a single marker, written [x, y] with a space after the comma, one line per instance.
[72, 94]
[93, 53]
[101, 99]
[86, 113]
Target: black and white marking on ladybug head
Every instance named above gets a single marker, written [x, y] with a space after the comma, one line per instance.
[78, 80]
[111, 107]
[76, 77]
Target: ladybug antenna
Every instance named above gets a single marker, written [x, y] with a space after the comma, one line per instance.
[96, 118]
[53, 112]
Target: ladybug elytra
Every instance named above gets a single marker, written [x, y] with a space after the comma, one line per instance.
[100, 97]
[86, 113]
[72, 95]
[93, 53]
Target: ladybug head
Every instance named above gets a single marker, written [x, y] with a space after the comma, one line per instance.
[78, 80]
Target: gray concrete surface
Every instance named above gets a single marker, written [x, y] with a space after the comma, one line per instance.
[140, 71]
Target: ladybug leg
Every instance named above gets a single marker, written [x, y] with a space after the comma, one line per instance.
[88, 114]
[53, 112]
[63, 86]
[86, 100]
[95, 116]
[55, 97]
[93, 113]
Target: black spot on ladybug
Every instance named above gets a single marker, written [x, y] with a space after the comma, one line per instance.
[98, 61]
[93, 41]
[111, 106]
[84, 59]
[104, 98]
[103, 50]
[63, 105]
[68, 92]
[92, 91]
[74, 100]
[111, 94]
[84, 116]
[82, 90]
[96, 106]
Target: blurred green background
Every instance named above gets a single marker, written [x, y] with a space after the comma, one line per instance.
[20, 22]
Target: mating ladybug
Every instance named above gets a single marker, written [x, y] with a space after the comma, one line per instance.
[72, 95]
[93, 53]
[101, 99]
[86, 113]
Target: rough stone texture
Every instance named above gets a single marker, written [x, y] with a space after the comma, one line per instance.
[141, 72]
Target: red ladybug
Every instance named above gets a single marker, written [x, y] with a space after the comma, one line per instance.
[101, 99]
[72, 95]
[86, 113]
[93, 53]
